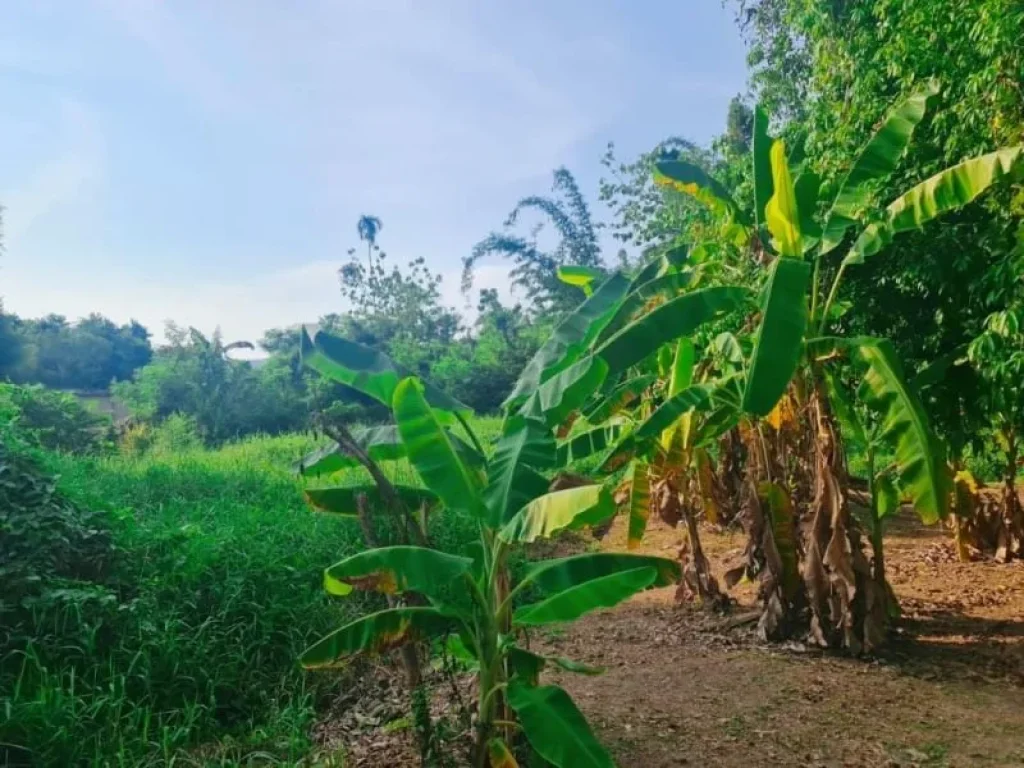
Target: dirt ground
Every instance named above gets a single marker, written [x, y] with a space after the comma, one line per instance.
[684, 687]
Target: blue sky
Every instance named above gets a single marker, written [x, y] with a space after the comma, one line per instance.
[207, 162]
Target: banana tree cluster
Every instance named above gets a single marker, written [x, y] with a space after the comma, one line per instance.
[507, 493]
[804, 545]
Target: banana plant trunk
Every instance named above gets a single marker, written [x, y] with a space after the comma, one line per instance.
[697, 576]
[1010, 542]
[847, 604]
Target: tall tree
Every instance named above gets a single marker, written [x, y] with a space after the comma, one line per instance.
[535, 267]
[368, 228]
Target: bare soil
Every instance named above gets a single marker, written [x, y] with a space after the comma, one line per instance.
[685, 687]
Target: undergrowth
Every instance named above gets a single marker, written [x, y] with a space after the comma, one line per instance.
[183, 650]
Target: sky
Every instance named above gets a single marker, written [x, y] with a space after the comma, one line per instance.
[206, 163]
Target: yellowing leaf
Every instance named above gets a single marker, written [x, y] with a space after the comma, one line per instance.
[499, 755]
[781, 213]
[783, 414]
[705, 484]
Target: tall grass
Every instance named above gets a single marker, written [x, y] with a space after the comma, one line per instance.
[188, 655]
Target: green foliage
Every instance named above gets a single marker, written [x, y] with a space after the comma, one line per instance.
[779, 343]
[51, 551]
[834, 71]
[10, 344]
[512, 507]
[536, 269]
[194, 376]
[166, 621]
[52, 420]
[88, 354]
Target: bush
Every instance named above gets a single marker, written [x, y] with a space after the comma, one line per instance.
[55, 561]
[225, 398]
[186, 640]
[52, 420]
[177, 433]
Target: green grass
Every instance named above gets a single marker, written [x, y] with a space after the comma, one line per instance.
[187, 656]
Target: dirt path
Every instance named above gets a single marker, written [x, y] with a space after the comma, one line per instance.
[688, 688]
[685, 688]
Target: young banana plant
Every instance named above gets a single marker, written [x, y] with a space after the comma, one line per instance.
[665, 436]
[661, 411]
[507, 495]
[790, 347]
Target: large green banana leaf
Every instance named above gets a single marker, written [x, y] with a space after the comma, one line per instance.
[431, 451]
[512, 479]
[715, 424]
[341, 499]
[781, 213]
[683, 363]
[845, 411]
[780, 338]
[394, 570]
[679, 317]
[572, 603]
[527, 665]
[666, 287]
[566, 391]
[556, 511]
[904, 428]
[620, 453]
[672, 410]
[639, 502]
[557, 575]
[694, 181]
[555, 728]
[586, 444]
[376, 633]
[876, 161]
[571, 337]
[381, 443]
[365, 369]
[663, 262]
[619, 398]
[946, 191]
[762, 145]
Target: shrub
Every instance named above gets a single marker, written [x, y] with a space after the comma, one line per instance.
[52, 420]
[52, 553]
[178, 433]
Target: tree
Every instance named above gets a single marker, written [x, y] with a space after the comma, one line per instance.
[368, 228]
[535, 268]
[10, 344]
[192, 375]
[644, 215]
[832, 69]
[89, 354]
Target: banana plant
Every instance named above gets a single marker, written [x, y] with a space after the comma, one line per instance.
[508, 495]
[791, 347]
[663, 438]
